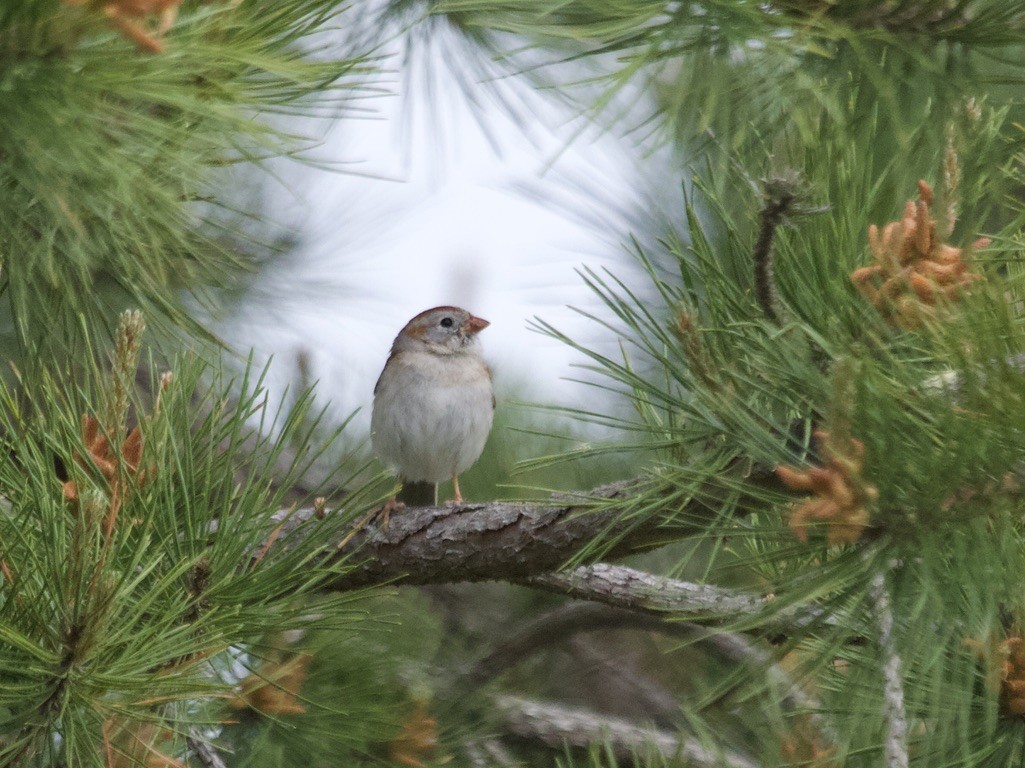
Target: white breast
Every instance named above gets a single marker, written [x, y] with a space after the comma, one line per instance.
[432, 414]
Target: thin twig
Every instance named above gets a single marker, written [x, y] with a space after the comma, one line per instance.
[894, 713]
[489, 753]
[269, 542]
[202, 751]
[738, 649]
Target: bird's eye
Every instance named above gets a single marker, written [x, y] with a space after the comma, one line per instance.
[446, 322]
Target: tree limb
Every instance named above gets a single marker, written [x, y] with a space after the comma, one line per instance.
[639, 591]
[635, 590]
[499, 540]
[557, 725]
[202, 750]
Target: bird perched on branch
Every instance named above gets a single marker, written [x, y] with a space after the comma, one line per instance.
[433, 403]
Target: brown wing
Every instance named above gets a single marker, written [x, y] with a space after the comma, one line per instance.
[377, 386]
[491, 377]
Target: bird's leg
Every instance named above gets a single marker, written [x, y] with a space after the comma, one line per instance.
[392, 505]
[383, 512]
[458, 497]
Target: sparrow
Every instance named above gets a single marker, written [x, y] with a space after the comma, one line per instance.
[434, 401]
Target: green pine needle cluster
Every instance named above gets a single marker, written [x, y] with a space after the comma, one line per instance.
[135, 569]
[726, 74]
[109, 155]
[725, 391]
[736, 368]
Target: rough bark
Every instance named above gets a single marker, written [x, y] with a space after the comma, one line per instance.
[500, 540]
[625, 587]
[630, 588]
[558, 725]
[482, 542]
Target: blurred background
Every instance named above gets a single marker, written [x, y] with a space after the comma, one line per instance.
[458, 184]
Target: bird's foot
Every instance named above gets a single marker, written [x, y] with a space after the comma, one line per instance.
[383, 513]
[457, 499]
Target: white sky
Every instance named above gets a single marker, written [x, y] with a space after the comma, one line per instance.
[436, 218]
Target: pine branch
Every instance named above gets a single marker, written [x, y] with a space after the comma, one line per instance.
[565, 621]
[500, 540]
[557, 725]
[938, 18]
[489, 753]
[116, 220]
[558, 625]
[894, 713]
[204, 753]
[639, 591]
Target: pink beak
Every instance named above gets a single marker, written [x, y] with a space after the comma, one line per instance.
[475, 325]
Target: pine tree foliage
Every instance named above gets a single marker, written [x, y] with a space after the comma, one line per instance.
[933, 504]
[734, 74]
[891, 417]
[108, 151]
[139, 587]
[826, 374]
